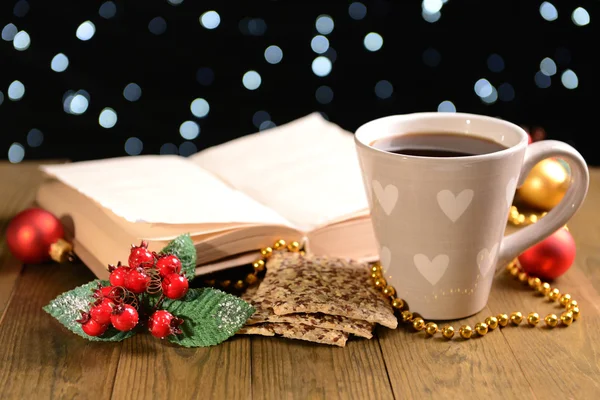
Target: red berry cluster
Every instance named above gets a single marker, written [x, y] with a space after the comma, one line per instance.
[114, 304]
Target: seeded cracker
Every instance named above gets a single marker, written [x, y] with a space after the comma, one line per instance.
[314, 284]
[264, 313]
[301, 332]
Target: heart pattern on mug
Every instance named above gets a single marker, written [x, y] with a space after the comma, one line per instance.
[454, 206]
[385, 258]
[432, 270]
[485, 259]
[510, 190]
[387, 197]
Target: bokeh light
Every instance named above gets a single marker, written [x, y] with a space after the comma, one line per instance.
[266, 125]
[259, 117]
[446, 106]
[9, 32]
[189, 130]
[86, 31]
[384, 89]
[495, 63]
[324, 94]
[569, 79]
[548, 11]
[35, 138]
[210, 19]
[321, 66]
[187, 149]
[273, 54]
[157, 25]
[16, 153]
[432, 57]
[205, 76]
[108, 118]
[357, 10]
[108, 10]
[506, 92]
[548, 66]
[168, 148]
[324, 24]
[21, 41]
[16, 90]
[251, 80]
[541, 80]
[319, 44]
[373, 41]
[133, 146]
[580, 16]
[200, 108]
[59, 63]
[132, 92]
[21, 8]
[483, 88]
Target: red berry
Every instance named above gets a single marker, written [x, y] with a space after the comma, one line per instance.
[140, 256]
[101, 312]
[175, 286]
[124, 317]
[168, 264]
[117, 275]
[137, 280]
[94, 328]
[162, 324]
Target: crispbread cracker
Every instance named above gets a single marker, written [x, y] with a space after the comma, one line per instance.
[296, 283]
[301, 332]
[264, 313]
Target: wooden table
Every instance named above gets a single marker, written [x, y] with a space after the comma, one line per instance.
[40, 359]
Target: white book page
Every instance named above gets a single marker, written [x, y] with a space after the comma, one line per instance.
[161, 189]
[306, 170]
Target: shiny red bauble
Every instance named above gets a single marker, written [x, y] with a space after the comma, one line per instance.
[124, 317]
[550, 258]
[175, 286]
[30, 234]
[168, 264]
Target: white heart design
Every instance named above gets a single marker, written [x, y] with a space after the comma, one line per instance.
[485, 259]
[432, 270]
[454, 206]
[387, 197]
[385, 258]
[510, 191]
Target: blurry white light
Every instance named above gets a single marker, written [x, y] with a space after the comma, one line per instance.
[542, 81]
[157, 25]
[189, 130]
[16, 90]
[266, 125]
[1, 97]
[187, 149]
[331, 54]
[79, 104]
[108, 10]
[108, 118]
[22, 41]
[483, 88]
[319, 44]
[16, 153]
[132, 92]
[548, 66]
[373, 41]
[569, 79]
[580, 16]
[59, 62]
[431, 18]
[256, 26]
[21, 8]
[432, 6]
[384, 89]
[133, 146]
[357, 10]
[200, 107]
[273, 54]
[548, 11]
[259, 117]
[85, 31]
[492, 98]
[175, 2]
[324, 24]
[446, 106]
[321, 66]
[35, 138]
[506, 92]
[324, 94]
[210, 19]
[495, 63]
[251, 80]
[9, 31]
[168, 148]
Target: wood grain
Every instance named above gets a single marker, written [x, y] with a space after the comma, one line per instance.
[39, 359]
[153, 369]
[18, 185]
[293, 369]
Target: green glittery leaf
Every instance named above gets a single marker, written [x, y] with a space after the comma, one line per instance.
[210, 316]
[67, 307]
[183, 247]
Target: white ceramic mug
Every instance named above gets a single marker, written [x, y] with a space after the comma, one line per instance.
[440, 221]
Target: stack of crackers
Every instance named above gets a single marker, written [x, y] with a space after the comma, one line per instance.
[318, 299]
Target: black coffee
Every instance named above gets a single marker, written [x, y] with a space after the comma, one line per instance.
[437, 145]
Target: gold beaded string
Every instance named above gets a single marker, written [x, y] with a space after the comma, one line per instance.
[518, 219]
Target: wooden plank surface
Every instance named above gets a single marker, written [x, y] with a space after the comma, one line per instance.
[40, 359]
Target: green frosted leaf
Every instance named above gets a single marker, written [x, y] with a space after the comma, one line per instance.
[67, 306]
[210, 316]
[183, 247]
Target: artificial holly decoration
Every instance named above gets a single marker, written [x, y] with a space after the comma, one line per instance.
[152, 293]
[551, 257]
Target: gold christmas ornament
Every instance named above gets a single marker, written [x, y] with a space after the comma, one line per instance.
[576, 313]
[516, 317]
[492, 322]
[551, 320]
[431, 328]
[465, 331]
[533, 319]
[546, 185]
[481, 328]
[418, 324]
[448, 331]
[502, 319]
[566, 318]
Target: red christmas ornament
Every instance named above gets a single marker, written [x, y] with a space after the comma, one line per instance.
[550, 258]
[35, 236]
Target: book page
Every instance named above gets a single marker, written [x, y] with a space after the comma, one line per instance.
[306, 170]
[161, 189]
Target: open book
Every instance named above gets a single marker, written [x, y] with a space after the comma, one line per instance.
[298, 182]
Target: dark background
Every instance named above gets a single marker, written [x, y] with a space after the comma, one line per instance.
[165, 66]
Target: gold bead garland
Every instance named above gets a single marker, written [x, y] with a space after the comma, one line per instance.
[571, 313]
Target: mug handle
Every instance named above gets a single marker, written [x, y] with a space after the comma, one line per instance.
[516, 243]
